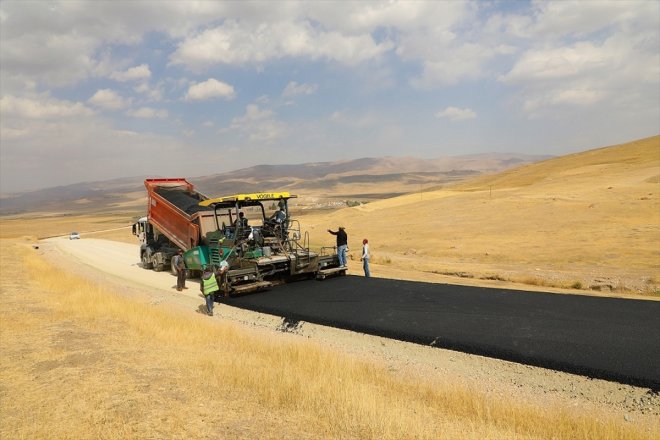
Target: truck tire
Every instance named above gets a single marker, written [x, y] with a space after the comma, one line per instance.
[146, 261]
[159, 267]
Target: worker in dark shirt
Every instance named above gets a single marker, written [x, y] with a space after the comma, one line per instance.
[241, 221]
[180, 266]
[342, 245]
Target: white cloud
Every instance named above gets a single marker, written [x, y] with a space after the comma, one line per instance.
[109, 99]
[61, 42]
[211, 88]
[11, 133]
[155, 93]
[295, 89]
[579, 18]
[353, 120]
[140, 72]
[238, 43]
[403, 16]
[257, 125]
[254, 113]
[72, 150]
[585, 54]
[456, 64]
[268, 131]
[41, 108]
[456, 114]
[147, 113]
[561, 63]
[449, 45]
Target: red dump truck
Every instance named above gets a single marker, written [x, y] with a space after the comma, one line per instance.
[252, 233]
[174, 221]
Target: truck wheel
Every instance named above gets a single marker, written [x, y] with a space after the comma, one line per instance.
[146, 262]
[159, 267]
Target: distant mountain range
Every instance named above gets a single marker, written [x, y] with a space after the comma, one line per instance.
[366, 178]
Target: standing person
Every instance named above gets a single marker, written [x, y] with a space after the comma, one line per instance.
[241, 221]
[365, 257]
[282, 205]
[279, 216]
[180, 266]
[209, 286]
[279, 222]
[342, 244]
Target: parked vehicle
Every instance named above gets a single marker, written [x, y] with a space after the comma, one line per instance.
[74, 236]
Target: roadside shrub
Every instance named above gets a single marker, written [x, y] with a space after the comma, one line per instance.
[381, 260]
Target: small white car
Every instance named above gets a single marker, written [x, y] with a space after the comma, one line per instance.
[74, 236]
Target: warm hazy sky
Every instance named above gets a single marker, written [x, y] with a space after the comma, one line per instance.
[96, 90]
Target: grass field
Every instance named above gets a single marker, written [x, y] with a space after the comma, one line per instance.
[81, 361]
[589, 221]
[42, 225]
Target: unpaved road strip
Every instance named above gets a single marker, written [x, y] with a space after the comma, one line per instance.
[115, 258]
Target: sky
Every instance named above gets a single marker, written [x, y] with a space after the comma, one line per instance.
[95, 90]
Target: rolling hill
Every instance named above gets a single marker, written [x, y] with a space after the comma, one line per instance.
[589, 219]
[366, 179]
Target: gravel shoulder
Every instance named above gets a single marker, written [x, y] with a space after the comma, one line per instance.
[115, 265]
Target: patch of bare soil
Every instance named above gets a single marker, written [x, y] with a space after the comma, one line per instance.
[536, 386]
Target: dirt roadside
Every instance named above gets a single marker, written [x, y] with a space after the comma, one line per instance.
[115, 265]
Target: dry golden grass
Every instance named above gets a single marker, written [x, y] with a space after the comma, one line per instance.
[592, 167]
[588, 219]
[123, 234]
[80, 361]
[41, 225]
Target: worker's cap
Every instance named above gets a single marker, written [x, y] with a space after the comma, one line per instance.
[342, 228]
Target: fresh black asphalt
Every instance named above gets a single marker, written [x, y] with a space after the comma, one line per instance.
[607, 338]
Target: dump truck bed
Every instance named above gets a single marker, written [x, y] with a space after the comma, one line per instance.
[173, 207]
[182, 199]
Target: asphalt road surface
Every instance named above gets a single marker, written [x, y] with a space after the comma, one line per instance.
[606, 338]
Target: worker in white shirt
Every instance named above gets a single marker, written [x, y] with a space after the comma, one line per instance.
[365, 257]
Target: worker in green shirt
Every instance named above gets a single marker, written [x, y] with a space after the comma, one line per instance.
[210, 285]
